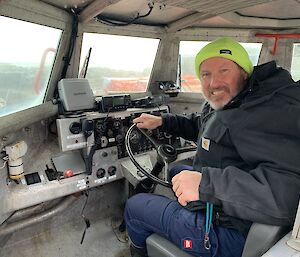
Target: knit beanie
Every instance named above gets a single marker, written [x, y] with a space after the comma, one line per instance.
[226, 48]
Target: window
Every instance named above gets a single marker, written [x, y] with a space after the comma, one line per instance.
[118, 64]
[27, 53]
[295, 68]
[188, 51]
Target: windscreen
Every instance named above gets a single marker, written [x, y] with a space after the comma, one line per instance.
[117, 64]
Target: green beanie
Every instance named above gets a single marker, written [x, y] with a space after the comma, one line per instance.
[228, 49]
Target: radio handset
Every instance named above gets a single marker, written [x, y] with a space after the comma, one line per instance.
[87, 130]
[87, 127]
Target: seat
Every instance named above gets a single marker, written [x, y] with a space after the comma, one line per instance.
[260, 238]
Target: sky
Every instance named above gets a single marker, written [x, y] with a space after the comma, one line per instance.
[24, 42]
[119, 52]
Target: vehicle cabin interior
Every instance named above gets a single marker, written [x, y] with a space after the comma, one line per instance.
[73, 76]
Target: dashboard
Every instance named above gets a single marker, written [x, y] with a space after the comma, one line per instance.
[92, 153]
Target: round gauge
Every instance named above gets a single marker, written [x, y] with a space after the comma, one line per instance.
[100, 126]
[117, 124]
[104, 141]
[135, 137]
[119, 138]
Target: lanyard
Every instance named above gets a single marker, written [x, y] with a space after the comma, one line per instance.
[209, 214]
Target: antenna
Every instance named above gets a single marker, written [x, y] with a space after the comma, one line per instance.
[84, 68]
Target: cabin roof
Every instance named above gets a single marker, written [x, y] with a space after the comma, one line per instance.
[175, 15]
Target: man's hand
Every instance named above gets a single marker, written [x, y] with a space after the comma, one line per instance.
[148, 121]
[186, 186]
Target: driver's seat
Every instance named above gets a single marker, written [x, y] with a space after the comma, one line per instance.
[260, 238]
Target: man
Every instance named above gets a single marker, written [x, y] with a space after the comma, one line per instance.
[246, 168]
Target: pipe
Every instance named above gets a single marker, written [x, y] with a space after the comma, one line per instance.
[277, 36]
[6, 228]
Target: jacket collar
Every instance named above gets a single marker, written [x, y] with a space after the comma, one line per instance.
[260, 73]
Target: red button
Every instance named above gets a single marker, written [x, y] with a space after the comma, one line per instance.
[68, 173]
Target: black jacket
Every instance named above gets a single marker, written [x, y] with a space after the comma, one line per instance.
[251, 168]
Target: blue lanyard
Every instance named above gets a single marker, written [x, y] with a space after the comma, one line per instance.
[209, 214]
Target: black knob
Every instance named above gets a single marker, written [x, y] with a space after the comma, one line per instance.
[75, 127]
[112, 170]
[100, 173]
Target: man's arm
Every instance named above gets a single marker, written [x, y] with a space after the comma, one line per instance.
[186, 126]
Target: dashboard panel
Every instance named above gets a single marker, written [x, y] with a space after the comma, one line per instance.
[92, 153]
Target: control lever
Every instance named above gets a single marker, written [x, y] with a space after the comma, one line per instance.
[87, 130]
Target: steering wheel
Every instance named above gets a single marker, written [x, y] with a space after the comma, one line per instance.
[165, 155]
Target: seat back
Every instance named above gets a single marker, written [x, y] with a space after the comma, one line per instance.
[260, 238]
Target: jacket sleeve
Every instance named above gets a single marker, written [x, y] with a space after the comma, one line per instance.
[246, 196]
[185, 126]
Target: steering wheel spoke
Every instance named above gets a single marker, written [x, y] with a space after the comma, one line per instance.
[153, 141]
[186, 149]
[166, 154]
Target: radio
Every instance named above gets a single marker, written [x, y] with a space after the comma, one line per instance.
[113, 103]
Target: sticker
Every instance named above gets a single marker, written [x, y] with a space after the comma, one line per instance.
[81, 184]
[100, 180]
[205, 143]
[187, 244]
[112, 177]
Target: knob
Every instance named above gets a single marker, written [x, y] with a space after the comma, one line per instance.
[75, 127]
[112, 170]
[100, 173]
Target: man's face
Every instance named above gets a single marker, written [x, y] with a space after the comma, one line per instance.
[221, 80]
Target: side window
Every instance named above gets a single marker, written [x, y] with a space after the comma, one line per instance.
[117, 63]
[188, 51]
[295, 68]
[27, 53]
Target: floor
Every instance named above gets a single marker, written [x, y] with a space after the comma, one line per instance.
[61, 235]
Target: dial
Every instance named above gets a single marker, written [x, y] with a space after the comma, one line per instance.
[100, 173]
[101, 126]
[111, 170]
[75, 127]
[117, 124]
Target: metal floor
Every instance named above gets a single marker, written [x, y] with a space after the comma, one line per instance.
[60, 236]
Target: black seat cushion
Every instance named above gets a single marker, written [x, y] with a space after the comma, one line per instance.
[260, 238]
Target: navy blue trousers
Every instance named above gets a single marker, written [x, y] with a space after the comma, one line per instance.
[149, 213]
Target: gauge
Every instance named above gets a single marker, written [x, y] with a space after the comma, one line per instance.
[135, 137]
[119, 138]
[100, 126]
[117, 124]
